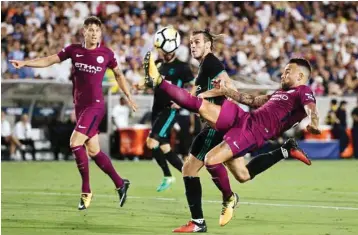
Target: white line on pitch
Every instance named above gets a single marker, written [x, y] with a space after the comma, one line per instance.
[174, 199]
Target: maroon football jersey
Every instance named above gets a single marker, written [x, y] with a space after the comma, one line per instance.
[89, 68]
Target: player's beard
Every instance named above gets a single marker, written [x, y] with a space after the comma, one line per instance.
[285, 86]
[200, 56]
[168, 57]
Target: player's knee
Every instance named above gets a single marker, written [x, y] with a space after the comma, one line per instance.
[152, 143]
[165, 148]
[74, 142]
[92, 152]
[189, 169]
[242, 176]
[209, 160]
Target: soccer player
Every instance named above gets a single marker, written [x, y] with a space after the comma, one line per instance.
[164, 113]
[245, 131]
[90, 61]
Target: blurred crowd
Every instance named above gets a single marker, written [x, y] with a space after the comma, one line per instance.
[260, 37]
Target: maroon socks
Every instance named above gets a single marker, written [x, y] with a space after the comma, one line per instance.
[221, 179]
[82, 165]
[103, 162]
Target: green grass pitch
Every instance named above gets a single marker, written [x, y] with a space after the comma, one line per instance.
[289, 199]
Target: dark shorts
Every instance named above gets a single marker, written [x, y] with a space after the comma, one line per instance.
[241, 133]
[5, 141]
[207, 139]
[89, 118]
[162, 124]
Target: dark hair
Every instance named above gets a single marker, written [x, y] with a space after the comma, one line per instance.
[209, 37]
[92, 20]
[334, 101]
[301, 62]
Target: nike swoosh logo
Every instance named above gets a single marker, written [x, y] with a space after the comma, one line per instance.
[82, 127]
[77, 55]
[81, 206]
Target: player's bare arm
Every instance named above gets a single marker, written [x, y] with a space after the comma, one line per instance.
[312, 114]
[222, 80]
[122, 83]
[37, 63]
[252, 101]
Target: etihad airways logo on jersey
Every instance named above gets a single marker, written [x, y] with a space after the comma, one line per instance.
[87, 68]
[279, 97]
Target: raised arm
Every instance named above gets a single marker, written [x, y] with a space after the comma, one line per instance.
[312, 114]
[247, 99]
[122, 83]
[250, 100]
[37, 63]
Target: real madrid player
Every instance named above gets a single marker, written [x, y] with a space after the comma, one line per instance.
[164, 111]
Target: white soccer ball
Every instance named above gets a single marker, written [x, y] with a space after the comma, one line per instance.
[167, 39]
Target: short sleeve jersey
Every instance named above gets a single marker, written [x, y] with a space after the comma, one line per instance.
[89, 68]
[210, 68]
[284, 109]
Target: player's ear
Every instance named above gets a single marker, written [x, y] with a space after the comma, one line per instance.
[207, 45]
[301, 76]
[82, 31]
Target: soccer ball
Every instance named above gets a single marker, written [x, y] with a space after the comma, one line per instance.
[167, 39]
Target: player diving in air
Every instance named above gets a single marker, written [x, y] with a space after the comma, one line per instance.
[90, 61]
[243, 131]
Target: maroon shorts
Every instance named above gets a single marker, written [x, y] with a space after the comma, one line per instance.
[239, 129]
[88, 119]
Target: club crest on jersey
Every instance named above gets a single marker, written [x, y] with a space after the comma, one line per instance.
[88, 68]
[309, 96]
[171, 71]
[100, 59]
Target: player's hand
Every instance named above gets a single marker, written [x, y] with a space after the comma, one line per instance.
[132, 104]
[17, 63]
[313, 129]
[223, 84]
[175, 106]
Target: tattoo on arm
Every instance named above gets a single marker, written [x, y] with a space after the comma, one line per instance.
[312, 113]
[247, 99]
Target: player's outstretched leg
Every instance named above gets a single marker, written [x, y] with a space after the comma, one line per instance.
[264, 161]
[179, 95]
[295, 151]
[213, 162]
